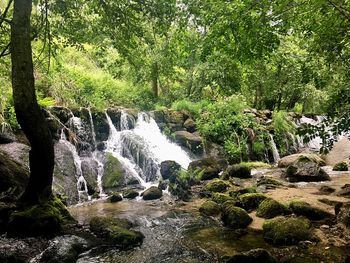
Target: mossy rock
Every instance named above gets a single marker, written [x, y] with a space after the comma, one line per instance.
[210, 208]
[152, 193]
[236, 193]
[115, 197]
[238, 171]
[251, 201]
[170, 170]
[234, 217]
[216, 186]
[342, 166]
[221, 198]
[208, 168]
[287, 230]
[43, 219]
[301, 208]
[265, 180]
[270, 208]
[130, 193]
[117, 231]
[113, 175]
[257, 255]
[295, 158]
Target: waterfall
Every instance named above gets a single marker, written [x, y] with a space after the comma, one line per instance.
[276, 155]
[81, 182]
[315, 143]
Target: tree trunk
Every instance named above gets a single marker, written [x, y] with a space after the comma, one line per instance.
[154, 76]
[28, 112]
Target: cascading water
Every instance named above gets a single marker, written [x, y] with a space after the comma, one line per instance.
[275, 153]
[315, 143]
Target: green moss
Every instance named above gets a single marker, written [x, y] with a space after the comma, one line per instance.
[255, 165]
[238, 171]
[287, 230]
[234, 217]
[342, 166]
[216, 185]
[270, 208]
[268, 180]
[311, 158]
[237, 193]
[251, 201]
[305, 209]
[210, 208]
[115, 197]
[221, 198]
[130, 193]
[152, 193]
[113, 174]
[116, 231]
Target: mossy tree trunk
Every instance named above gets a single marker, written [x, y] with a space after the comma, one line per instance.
[28, 112]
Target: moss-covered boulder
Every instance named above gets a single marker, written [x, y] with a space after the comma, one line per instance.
[190, 141]
[234, 217]
[43, 219]
[265, 180]
[113, 175]
[270, 208]
[117, 231]
[130, 193]
[238, 171]
[251, 201]
[287, 230]
[237, 192]
[301, 208]
[257, 255]
[209, 168]
[115, 197]
[221, 198]
[152, 193]
[303, 171]
[216, 186]
[209, 208]
[304, 157]
[342, 166]
[169, 170]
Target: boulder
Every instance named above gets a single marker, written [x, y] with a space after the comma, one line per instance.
[6, 210]
[237, 192]
[162, 185]
[294, 158]
[130, 193]
[301, 208]
[341, 166]
[343, 215]
[305, 171]
[270, 208]
[339, 152]
[115, 197]
[209, 208]
[221, 198]
[216, 186]
[190, 141]
[152, 193]
[238, 171]
[62, 113]
[190, 125]
[209, 168]
[101, 126]
[251, 201]
[287, 230]
[113, 174]
[234, 217]
[116, 231]
[169, 170]
[257, 255]
[6, 138]
[89, 168]
[64, 249]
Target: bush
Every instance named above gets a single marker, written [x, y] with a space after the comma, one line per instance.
[194, 108]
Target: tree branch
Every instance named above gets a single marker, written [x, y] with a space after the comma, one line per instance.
[340, 10]
[3, 17]
[3, 53]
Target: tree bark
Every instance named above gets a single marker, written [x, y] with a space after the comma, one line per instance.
[154, 76]
[28, 112]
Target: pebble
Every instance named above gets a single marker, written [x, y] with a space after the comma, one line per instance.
[324, 227]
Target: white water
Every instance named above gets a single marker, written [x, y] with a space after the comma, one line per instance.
[275, 153]
[314, 144]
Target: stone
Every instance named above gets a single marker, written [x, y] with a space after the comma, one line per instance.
[6, 138]
[209, 208]
[152, 193]
[257, 255]
[190, 141]
[190, 125]
[115, 197]
[305, 171]
[221, 198]
[343, 215]
[169, 170]
[238, 171]
[341, 166]
[325, 189]
[64, 249]
[6, 210]
[101, 126]
[251, 201]
[113, 174]
[89, 168]
[301, 208]
[270, 208]
[291, 159]
[130, 193]
[209, 168]
[216, 186]
[286, 230]
[116, 231]
[234, 217]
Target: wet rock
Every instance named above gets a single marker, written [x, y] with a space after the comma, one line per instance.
[209, 208]
[209, 168]
[117, 231]
[6, 138]
[130, 193]
[152, 193]
[115, 197]
[190, 125]
[215, 150]
[265, 180]
[221, 198]
[169, 170]
[113, 174]
[287, 230]
[190, 141]
[101, 126]
[270, 208]
[342, 166]
[162, 185]
[343, 216]
[238, 171]
[216, 186]
[89, 169]
[62, 113]
[301, 208]
[6, 210]
[325, 189]
[251, 201]
[257, 255]
[304, 157]
[159, 116]
[64, 249]
[305, 171]
[345, 190]
[234, 217]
